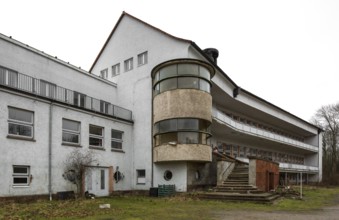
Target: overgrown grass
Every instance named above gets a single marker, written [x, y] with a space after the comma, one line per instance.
[142, 207]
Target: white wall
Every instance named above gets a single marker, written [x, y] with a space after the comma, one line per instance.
[179, 178]
[35, 153]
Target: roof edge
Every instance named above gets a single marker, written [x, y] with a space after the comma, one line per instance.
[137, 19]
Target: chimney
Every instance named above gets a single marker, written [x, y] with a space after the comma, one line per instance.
[212, 53]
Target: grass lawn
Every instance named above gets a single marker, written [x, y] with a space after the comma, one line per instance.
[143, 207]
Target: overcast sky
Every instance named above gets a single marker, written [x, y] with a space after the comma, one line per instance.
[286, 52]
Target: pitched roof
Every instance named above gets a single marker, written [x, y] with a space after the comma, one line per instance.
[117, 24]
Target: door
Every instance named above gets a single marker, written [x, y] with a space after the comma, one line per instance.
[96, 181]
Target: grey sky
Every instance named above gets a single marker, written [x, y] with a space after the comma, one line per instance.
[286, 52]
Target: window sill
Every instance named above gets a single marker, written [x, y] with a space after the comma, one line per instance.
[97, 148]
[117, 150]
[71, 145]
[21, 138]
[18, 186]
[141, 183]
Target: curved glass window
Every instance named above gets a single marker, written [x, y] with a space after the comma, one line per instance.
[182, 131]
[182, 76]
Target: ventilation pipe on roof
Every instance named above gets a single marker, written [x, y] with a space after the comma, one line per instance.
[212, 53]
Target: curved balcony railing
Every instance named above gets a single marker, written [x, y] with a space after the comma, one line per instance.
[243, 128]
[41, 88]
[297, 167]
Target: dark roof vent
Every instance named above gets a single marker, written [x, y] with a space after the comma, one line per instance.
[212, 53]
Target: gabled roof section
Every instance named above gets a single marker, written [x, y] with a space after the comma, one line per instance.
[137, 19]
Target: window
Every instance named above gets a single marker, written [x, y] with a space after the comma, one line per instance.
[20, 122]
[141, 177]
[70, 131]
[129, 64]
[47, 89]
[104, 73]
[104, 107]
[116, 141]
[21, 175]
[8, 77]
[142, 58]
[79, 99]
[96, 136]
[168, 175]
[116, 69]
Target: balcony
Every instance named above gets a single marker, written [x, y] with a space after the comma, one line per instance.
[43, 89]
[258, 132]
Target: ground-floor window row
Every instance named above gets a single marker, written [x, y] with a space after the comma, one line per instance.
[263, 127]
[21, 125]
[242, 151]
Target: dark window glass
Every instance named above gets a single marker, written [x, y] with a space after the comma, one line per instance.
[21, 130]
[95, 130]
[168, 71]
[68, 137]
[188, 83]
[168, 125]
[116, 145]
[204, 85]
[95, 141]
[168, 84]
[102, 185]
[188, 137]
[168, 138]
[20, 180]
[20, 170]
[188, 69]
[117, 134]
[188, 124]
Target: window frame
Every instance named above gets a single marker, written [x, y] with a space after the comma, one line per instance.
[141, 179]
[142, 58]
[21, 123]
[26, 175]
[117, 140]
[104, 73]
[116, 69]
[73, 132]
[128, 64]
[96, 136]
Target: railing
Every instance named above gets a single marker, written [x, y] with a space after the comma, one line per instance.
[49, 90]
[260, 132]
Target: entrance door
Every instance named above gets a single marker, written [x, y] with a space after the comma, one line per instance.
[96, 181]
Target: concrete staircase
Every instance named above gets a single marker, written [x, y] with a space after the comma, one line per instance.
[237, 188]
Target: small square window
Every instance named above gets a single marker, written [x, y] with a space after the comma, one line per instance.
[128, 64]
[21, 175]
[104, 73]
[116, 70]
[142, 58]
[141, 177]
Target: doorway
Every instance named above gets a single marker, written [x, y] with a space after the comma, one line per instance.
[97, 181]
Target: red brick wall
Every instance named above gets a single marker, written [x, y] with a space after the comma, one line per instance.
[266, 172]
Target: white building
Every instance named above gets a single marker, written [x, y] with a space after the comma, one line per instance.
[161, 107]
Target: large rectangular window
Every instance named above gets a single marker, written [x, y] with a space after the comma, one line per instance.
[141, 177]
[20, 122]
[70, 131]
[21, 175]
[96, 136]
[142, 58]
[116, 141]
[116, 69]
[128, 64]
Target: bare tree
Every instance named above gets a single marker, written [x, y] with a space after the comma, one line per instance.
[327, 117]
[75, 166]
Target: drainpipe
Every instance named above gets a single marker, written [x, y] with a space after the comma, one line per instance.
[50, 153]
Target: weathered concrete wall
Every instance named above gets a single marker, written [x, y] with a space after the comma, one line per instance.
[181, 103]
[224, 169]
[183, 152]
[252, 172]
[201, 175]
